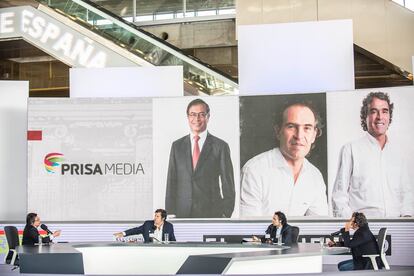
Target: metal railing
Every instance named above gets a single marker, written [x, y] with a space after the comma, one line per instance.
[198, 76]
[409, 4]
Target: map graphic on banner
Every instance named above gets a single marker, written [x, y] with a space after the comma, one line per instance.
[90, 159]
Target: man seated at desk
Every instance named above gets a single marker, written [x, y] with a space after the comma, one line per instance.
[152, 230]
[31, 234]
[362, 243]
[278, 228]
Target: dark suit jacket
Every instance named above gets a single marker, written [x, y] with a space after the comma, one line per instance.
[31, 236]
[149, 227]
[196, 193]
[362, 243]
[286, 234]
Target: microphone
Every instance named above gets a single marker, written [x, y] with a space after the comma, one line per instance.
[337, 232]
[44, 227]
[157, 239]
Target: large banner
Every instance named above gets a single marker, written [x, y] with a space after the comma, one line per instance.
[210, 189]
[307, 155]
[273, 143]
[90, 159]
[365, 174]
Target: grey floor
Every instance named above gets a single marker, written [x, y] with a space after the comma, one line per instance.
[6, 270]
[333, 268]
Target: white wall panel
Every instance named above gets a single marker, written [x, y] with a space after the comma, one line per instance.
[296, 57]
[117, 82]
[13, 148]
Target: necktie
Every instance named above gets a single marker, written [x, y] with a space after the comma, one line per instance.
[196, 151]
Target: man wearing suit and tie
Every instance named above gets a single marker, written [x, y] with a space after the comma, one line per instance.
[31, 234]
[200, 180]
[152, 230]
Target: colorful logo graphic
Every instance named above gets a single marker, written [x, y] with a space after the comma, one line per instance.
[55, 163]
[52, 161]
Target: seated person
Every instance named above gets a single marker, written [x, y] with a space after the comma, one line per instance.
[31, 234]
[278, 227]
[362, 243]
[152, 230]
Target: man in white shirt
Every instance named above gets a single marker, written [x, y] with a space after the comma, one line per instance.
[282, 178]
[373, 176]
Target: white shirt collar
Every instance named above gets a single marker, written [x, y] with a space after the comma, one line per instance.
[202, 135]
[374, 141]
[161, 226]
[281, 162]
[158, 232]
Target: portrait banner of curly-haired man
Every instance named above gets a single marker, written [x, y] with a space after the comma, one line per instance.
[370, 152]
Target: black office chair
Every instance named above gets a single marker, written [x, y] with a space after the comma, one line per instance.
[12, 236]
[295, 234]
[382, 234]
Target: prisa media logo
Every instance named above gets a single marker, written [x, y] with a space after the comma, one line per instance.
[52, 161]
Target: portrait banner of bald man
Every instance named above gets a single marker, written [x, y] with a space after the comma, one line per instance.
[283, 155]
[197, 156]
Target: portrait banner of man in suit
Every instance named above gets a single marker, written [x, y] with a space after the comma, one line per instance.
[196, 156]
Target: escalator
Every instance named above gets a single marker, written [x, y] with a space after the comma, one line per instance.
[198, 77]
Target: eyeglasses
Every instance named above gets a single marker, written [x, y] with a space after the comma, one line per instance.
[194, 115]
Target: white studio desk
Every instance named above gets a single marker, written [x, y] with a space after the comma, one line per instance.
[174, 258]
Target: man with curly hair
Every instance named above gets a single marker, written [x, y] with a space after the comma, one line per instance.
[372, 175]
[362, 243]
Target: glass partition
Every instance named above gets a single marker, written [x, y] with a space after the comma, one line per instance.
[409, 4]
[146, 10]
